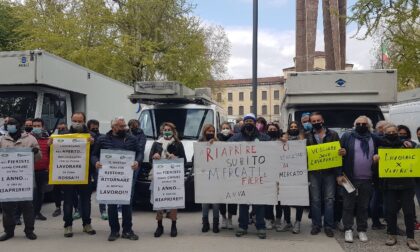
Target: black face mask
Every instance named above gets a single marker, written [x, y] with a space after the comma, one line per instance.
[361, 129]
[273, 134]
[317, 126]
[96, 131]
[293, 132]
[249, 127]
[391, 137]
[209, 136]
[121, 133]
[134, 130]
[28, 129]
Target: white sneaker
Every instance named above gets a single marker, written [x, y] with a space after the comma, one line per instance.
[277, 223]
[268, 224]
[224, 223]
[296, 227]
[285, 227]
[229, 224]
[363, 237]
[119, 215]
[348, 236]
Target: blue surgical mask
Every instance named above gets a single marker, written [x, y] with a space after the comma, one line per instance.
[307, 126]
[11, 128]
[36, 131]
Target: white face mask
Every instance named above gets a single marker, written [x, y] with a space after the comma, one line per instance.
[225, 132]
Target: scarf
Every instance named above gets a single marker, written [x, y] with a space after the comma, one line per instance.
[165, 143]
[364, 141]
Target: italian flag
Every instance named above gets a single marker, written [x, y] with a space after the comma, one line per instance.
[385, 54]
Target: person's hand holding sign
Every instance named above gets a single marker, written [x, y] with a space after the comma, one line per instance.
[156, 156]
[135, 165]
[376, 158]
[98, 165]
[342, 152]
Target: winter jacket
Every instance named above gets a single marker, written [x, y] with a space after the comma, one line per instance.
[240, 137]
[44, 163]
[25, 141]
[111, 142]
[176, 148]
[141, 139]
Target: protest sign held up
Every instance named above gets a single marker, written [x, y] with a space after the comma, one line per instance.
[293, 174]
[69, 159]
[168, 184]
[324, 156]
[16, 174]
[399, 163]
[115, 178]
[240, 172]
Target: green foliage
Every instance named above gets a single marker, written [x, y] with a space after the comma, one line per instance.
[396, 22]
[129, 40]
[9, 37]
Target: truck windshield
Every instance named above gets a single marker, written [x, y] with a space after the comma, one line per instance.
[188, 122]
[18, 103]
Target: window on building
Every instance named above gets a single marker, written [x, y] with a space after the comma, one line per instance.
[219, 97]
[276, 109]
[264, 95]
[241, 110]
[230, 110]
[264, 109]
[276, 94]
[241, 96]
[230, 96]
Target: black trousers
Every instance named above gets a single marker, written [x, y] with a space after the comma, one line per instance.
[69, 193]
[41, 180]
[9, 212]
[396, 199]
[358, 200]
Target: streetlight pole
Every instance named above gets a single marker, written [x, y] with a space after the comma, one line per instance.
[255, 57]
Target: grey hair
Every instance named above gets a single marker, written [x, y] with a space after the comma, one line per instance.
[390, 125]
[381, 123]
[369, 122]
[115, 120]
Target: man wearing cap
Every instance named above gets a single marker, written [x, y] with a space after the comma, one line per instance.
[249, 133]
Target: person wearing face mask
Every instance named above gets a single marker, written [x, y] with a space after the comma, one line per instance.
[405, 135]
[84, 192]
[250, 133]
[168, 146]
[322, 183]
[399, 192]
[41, 166]
[306, 124]
[15, 138]
[360, 145]
[28, 125]
[134, 129]
[261, 125]
[118, 139]
[208, 134]
[231, 209]
[293, 133]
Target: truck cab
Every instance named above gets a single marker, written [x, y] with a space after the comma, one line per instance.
[340, 96]
[188, 109]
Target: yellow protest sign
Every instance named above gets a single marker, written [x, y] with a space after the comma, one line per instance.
[324, 156]
[69, 159]
[399, 163]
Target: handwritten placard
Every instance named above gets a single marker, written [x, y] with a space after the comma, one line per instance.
[16, 174]
[236, 172]
[324, 156]
[69, 159]
[115, 178]
[293, 174]
[399, 163]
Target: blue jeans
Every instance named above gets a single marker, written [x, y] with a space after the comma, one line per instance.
[322, 188]
[206, 209]
[126, 218]
[244, 216]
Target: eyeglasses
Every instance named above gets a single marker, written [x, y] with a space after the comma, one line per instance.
[361, 124]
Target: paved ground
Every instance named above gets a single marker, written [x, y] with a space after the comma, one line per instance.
[50, 237]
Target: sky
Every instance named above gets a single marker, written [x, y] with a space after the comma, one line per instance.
[276, 35]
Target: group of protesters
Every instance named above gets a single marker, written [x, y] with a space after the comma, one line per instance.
[331, 208]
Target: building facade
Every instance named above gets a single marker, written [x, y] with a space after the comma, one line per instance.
[235, 96]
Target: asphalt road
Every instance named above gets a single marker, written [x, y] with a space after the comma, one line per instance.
[190, 238]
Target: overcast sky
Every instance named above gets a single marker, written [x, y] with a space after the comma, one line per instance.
[276, 37]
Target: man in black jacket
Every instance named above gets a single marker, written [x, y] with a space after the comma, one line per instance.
[322, 182]
[118, 139]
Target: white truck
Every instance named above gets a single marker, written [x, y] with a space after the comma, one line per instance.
[39, 84]
[188, 109]
[341, 96]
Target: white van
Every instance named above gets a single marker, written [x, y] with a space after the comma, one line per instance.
[407, 114]
[188, 109]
